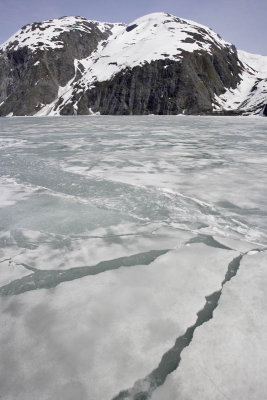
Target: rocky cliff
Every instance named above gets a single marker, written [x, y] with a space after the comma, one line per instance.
[159, 64]
[42, 58]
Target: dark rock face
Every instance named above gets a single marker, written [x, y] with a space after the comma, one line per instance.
[30, 79]
[131, 27]
[164, 86]
[264, 112]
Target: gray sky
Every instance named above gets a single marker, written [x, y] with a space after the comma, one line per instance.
[241, 22]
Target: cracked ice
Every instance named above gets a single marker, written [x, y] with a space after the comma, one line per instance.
[132, 258]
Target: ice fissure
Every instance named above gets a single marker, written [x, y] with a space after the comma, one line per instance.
[208, 240]
[143, 388]
[46, 279]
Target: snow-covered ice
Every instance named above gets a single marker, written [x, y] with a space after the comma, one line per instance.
[114, 233]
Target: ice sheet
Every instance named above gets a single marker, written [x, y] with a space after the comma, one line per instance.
[227, 358]
[113, 230]
[115, 325]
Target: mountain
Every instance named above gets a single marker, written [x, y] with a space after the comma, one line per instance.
[158, 64]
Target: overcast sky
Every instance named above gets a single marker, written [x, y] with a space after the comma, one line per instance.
[242, 22]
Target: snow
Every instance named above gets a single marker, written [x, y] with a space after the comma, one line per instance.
[256, 61]
[227, 357]
[45, 35]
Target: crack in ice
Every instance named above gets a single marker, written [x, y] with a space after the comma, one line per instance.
[143, 388]
[46, 279]
[6, 259]
[208, 240]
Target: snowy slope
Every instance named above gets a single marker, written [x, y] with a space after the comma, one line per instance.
[251, 94]
[255, 61]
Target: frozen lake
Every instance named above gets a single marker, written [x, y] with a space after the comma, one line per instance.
[133, 258]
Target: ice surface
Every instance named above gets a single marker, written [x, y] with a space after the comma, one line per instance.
[116, 324]
[179, 171]
[227, 359]
[11, 192]
[10, 270]
[113, 230]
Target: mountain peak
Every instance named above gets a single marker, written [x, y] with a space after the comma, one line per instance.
[46, 34]
[159, 63]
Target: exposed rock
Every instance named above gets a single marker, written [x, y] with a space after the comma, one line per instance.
[264, 111]
[163, 87]
[31, 76]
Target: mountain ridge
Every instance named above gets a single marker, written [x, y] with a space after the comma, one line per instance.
[158, 64]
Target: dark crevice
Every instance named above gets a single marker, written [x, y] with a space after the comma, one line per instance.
[143, 388]
[6, 259]
[208, 241]
[46, 279]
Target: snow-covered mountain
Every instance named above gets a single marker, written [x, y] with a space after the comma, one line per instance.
[158, 64]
